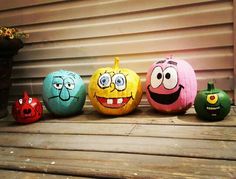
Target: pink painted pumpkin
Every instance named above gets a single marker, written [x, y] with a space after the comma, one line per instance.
[171, 85]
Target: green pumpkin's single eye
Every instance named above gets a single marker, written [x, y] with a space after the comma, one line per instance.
[212, 98]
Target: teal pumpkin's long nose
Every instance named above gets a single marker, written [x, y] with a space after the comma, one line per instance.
[64, 94]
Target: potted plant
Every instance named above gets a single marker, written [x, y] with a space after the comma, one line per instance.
[10, 43]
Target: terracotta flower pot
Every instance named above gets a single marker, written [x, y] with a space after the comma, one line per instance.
[8, 48]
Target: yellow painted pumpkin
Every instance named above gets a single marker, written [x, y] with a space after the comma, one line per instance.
[115, 91]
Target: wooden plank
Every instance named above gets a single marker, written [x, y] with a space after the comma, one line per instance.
[36, 88]
[142, 115]
[17, 89]
[193, 57]
[37, 70]
[193, 132]
[75, 10]
[30, 175]
[123, 144]
[13, 4]
[169, 131]
[215, 37]
[59, 128]
[96, 164]
[234, 66]
[138, 24]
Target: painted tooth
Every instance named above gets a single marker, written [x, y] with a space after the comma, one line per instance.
[109, 101]
[119, 101]
[213, 108]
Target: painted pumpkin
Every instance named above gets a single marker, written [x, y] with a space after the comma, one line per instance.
[64, 93]
[212, 104]
[171, 85]
[27, 109]
[115, 91]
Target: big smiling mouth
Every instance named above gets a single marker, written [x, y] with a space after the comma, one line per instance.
[165, 98]
[213, 111]
[113, 102]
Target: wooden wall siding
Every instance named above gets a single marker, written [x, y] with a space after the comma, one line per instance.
[234, 26]
[84, 35]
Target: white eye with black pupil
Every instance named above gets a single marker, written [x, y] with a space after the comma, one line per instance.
[170, 78]
[120, 81]
[70, 86]
[57, 85]
[156, 77]
[104, 80]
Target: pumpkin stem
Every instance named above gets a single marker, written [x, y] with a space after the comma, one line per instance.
[210, 86]
[116, 64]
[25, 94]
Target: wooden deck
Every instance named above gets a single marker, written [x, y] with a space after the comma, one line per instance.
[143, 144]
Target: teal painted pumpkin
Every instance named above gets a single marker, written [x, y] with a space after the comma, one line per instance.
[64, 93]
[212, 104]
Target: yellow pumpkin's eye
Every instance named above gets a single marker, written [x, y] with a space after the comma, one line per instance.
[104, 80]
[120, 81]
[212, 98]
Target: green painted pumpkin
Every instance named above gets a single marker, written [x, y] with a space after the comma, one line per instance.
[212, 104]
[115, 91]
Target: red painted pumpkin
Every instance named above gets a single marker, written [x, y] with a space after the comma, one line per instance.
[27, 109]
[171, 85]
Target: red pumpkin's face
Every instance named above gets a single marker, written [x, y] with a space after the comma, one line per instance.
[27, 109]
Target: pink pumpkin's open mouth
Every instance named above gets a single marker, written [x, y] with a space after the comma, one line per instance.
[113, 102]
[165, 99]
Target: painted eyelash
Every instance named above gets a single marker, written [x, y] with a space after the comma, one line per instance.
[119, 72]
[107, 73]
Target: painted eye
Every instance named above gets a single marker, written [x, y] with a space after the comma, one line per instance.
[21, 101]
[104, 80]
[120, 81]
[30, 100]
[57, 85]
[70, 86]
[156, 77]
[170, 78]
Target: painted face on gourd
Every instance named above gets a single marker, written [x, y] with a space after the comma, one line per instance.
[115, 91]
[64, 93]
[27, 109]
[212, 104]
[171, 85]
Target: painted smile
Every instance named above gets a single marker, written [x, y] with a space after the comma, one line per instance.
[113, 102]
[165, 98]
[213, 111]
